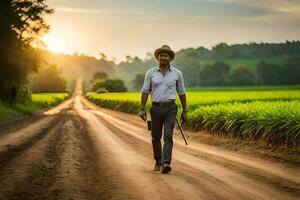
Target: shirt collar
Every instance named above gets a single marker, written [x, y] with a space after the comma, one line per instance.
[157, 68]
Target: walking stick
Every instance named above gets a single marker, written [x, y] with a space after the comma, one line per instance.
[181, 131]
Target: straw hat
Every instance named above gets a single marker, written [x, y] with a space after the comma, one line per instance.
[165, 48]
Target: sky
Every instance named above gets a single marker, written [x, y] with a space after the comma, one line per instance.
[119, 28]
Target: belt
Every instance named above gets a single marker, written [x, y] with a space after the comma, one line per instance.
[163, 103]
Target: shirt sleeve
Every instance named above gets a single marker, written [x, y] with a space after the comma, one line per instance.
[146, 87]
[180, 86]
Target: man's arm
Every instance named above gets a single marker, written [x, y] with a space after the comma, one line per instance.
[182, 96]
[143, 113]
[144, 97]
[183, 101]
[184, 108]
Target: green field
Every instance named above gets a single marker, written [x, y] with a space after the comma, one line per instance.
[271, 115]
[38, 101]
[194, 98]
[245, 88]
[275, 122]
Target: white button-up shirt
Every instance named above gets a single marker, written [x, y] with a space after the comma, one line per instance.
[163, 88]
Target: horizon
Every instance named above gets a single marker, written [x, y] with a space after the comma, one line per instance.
[145, 57]
[126, 27]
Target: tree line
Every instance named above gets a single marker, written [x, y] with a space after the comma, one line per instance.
[256, 64]
[222, 74]
[251, 50]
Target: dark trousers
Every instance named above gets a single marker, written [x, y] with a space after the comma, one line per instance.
[163, 118]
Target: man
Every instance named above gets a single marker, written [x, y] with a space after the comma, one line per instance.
[162, 82]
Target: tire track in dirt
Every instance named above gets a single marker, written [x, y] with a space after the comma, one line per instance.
[17, 138]
[77, 175]
[29, 174]
[60, 165]
[13, 144]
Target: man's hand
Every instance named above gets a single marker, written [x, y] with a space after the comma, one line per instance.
[183, 117]
[143, 114]
[184, 110]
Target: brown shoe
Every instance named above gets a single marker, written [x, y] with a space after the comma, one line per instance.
[166, 168]
[157, 167]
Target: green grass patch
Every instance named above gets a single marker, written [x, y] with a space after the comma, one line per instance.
[38, 101]
[276, 122]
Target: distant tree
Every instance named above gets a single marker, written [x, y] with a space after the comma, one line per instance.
[129, 59]
[204, 53]
[214, 75]
[269, 73]
[99, 75]
[103, 57]
[287, 73]
[112, 85]
[243, 76]
[191, 74]
[132, 65]
[149, 55]
[220, 50]
[187, 61]
[48, 79]
[222, 70]
[206, 76]
[291, 70]
[138, 81]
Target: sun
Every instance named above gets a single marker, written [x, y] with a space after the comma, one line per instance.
[54, 44]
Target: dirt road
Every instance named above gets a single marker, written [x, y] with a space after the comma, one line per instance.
[80, 151]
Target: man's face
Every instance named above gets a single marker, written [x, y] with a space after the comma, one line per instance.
[164, 58]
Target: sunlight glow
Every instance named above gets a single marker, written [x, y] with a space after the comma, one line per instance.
[54, 44]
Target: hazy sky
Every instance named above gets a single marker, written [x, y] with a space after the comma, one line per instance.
[135, 27]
